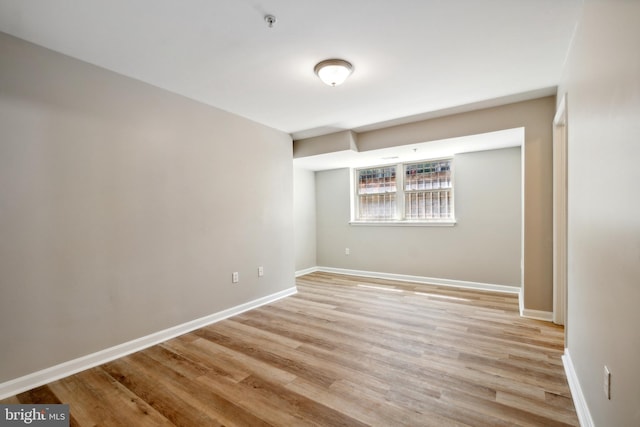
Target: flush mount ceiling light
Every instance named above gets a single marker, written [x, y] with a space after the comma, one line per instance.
[333, 71]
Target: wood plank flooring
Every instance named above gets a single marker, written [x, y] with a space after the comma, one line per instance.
[344, 351]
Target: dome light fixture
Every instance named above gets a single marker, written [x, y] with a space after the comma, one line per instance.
[333, 71]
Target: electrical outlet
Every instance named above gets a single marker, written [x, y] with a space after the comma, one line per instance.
[235, 277]
[607, 383]
[260, 271]
[347, 251]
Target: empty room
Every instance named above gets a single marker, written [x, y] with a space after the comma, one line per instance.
[355, 213]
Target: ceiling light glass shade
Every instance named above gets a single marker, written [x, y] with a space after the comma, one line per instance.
[333, 71]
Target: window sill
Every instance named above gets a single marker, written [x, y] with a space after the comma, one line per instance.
[449, 223]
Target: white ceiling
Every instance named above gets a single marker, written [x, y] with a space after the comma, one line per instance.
[411, 57]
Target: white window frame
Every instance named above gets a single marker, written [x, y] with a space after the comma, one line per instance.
[400, 219]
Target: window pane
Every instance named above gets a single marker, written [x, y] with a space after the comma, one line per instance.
[377, 180]
[428, 175]
[377, 206]
[428, 205]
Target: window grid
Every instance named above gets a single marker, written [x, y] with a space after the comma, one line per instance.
[421, 192]
[428, 190]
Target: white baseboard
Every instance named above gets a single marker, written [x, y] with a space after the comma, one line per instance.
[71, 367]
[584, 416]
[547, 316]
[524, 312]
[306, 271]
[422, 279]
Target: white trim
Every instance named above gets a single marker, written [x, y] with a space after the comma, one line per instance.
[560, 118]
[584, 416]
[306, 271]
[547, 316]
[421, 279]
[523, 192]
[404, 223]
[71, 367]
[560, 191]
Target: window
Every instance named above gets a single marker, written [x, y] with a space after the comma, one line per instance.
[420, 192]
[377, 193]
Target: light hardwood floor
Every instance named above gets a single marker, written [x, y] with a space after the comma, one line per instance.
[344, 351]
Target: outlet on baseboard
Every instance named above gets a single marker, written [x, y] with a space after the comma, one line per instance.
[607, 382]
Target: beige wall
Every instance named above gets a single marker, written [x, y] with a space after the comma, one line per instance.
[536, 116]
[304, 216]
[484, 246]
[124, 209]
[331, 143]
[602, 82]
